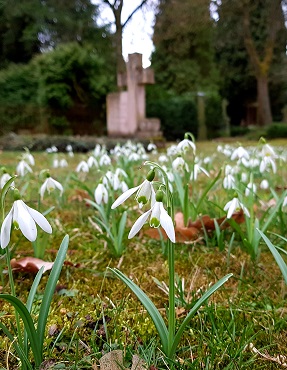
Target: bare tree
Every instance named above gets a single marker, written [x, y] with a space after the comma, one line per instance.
[261, 60]
[116, 6]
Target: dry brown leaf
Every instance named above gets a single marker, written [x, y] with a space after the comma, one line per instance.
[209, 225]
[30, 264]
[194, 229]
[279, 359]
[79, 195]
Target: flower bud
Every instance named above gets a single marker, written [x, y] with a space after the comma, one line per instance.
[159, 196]
[16, 194]
[151, 174]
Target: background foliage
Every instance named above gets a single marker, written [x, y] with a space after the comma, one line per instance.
[57, 64]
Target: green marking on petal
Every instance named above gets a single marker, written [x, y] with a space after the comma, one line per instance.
[16, 225]
[154, 222]
[142, 199]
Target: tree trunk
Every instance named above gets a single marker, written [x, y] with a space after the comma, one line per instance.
[263, 100]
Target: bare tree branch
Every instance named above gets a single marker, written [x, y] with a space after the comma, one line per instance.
[134, 11]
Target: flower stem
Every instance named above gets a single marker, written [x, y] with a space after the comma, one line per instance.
[171, 310]
[13, 293]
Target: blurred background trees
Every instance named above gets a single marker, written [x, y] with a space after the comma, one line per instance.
[57, 64]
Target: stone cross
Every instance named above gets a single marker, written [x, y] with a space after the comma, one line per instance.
[126, 109]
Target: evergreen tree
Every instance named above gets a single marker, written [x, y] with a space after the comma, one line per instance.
[184, 55]
[251, 44]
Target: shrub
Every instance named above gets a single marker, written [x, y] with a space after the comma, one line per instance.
[276, 130]
[48, 89]
[238, 131]
[178, 114]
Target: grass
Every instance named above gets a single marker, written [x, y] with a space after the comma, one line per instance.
[92, 312]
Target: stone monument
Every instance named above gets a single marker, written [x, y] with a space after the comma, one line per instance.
[126, 109]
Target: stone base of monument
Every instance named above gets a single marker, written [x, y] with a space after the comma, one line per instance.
[149, 128]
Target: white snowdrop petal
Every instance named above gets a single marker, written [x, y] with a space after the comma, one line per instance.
[40, 220]
[59, 186]
[167, 224]
[124, 197]
[6, 230]
[139, 224]
[43, 188]
[25, 221]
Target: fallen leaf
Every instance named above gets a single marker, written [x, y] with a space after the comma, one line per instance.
[30, 264]
[208, 223]
[194, 229]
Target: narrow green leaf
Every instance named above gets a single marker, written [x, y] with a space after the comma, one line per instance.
[280, 262]
[206, 190]
[30, 301]
[19, 350]
[98, 208]
[274, 211]
[50, 289]
[194, 309]
[28, 323]
[49, 210]
[121, 229]
[150, 307]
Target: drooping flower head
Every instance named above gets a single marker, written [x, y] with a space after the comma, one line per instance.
[24, 218]
[158, 217]
[235, 205]
[50, 184]
[101, 194]
[145, 192]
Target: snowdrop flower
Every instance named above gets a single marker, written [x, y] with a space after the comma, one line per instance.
[63, 163]
[82, 167]
[233, 206]
[23, 168]
[120, 172]
[4, 179]
[123, 186]
[254, 162]
[92, 162]
[266, 162]
[101, 194]
[163, 158]
[264, 184]
[244, 177]
[228, 169]
[69, 149]
[184, 145]
[284, 204]
[116, 182]
[219, 148]
[240, 153]
[145, 192]
[105, 160]
[267, 150]
[50, 184]
[172, 150]
[207, 160]
[98, 150]
[134, 157]
[250, 188]
[56, 163]
[27, 156]
[229, 182]
[152, 147]
[158, 217]
[24, 218]
[196, 169]
[179, 165]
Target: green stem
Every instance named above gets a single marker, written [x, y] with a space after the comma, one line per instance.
[171, 310]
[13, 293]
